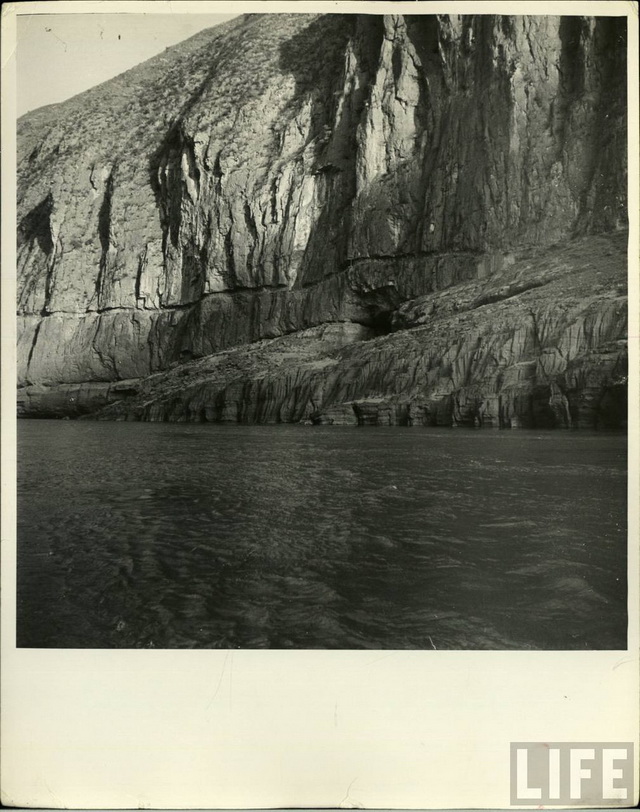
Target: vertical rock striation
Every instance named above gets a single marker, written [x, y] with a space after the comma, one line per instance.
[283, 172]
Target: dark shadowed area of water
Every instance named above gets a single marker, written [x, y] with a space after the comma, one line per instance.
[201, 536]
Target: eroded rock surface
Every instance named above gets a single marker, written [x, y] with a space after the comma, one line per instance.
[351, 196]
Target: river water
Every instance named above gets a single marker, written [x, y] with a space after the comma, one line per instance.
[201, 536]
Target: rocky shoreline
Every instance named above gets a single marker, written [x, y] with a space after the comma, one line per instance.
[540, 343]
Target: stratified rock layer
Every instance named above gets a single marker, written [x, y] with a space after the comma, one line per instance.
[540, 343]
[288, 173]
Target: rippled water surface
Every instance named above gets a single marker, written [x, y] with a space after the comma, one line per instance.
[201, 536]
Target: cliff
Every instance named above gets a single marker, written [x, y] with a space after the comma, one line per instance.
[341, 218]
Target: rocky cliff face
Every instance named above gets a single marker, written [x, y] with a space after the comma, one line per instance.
[356, 183]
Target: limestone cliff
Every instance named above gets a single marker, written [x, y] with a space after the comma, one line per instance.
[377, 186]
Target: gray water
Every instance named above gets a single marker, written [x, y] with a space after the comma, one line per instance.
[202, 536]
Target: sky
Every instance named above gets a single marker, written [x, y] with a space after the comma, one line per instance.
[60, 55]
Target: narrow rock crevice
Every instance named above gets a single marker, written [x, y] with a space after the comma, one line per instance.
[105, 237]
[34, 341]
[49, 282]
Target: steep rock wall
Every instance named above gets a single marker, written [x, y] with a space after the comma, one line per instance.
[285, 171]
[539, 343]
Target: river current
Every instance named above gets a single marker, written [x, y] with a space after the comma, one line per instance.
[138, 535]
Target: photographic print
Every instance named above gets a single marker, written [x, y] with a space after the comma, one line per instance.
[322, 331]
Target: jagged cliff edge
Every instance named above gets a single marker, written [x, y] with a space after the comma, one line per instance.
[414, 220]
